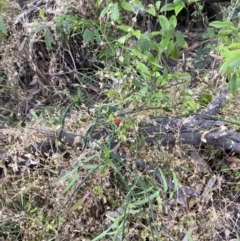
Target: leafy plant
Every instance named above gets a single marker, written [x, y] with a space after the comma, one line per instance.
[3, 28]
[142, 63]
[65, 25]
[9, 227]
[47, 35]
[230, 50]
[68, 25]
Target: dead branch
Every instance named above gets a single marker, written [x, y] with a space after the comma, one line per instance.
[195, 130]
[28, 10]
[203, 128]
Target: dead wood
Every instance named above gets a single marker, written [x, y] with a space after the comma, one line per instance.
[203, 128]
[195, 130]
[29, 9]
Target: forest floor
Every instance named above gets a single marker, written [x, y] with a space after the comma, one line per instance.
[73, 165]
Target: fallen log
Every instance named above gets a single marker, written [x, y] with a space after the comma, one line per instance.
[203, 128]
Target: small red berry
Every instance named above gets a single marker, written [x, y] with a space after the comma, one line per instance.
[117, 122]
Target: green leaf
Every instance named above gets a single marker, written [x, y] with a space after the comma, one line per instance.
[189, 237]
[179, 7]
[88, 35]
[115, 12]
[234, 45]
[137, 33]
[221, 24]
[71, 183]
[138, 5]
[90, 166]
[144, 44]
[33, 113]
[42, 13]
[158, 4]
[231, 62]
[103, 234]
[99, 2]
[38, 27]
[151, 10]
[157, 65]
[225, 53]
[234, 83]
[164, 43]
[127, 6]
[97, 35]
[175, 181]
[104, 11]
[48, 39]
[142, 68]
[168, 7]
[172, 50]
[145, 200]
[164, 181]
[136, 82]
[76, 205]
[224, 33]
[3, 27]
[177, 2]
[173, 21]
[180, 40]
[121, 59]
[149, 55]
[66, 175]
[155, 33]
[125, 28]
[163, 22]
[89, 158]
[122, 39]
[104, 166]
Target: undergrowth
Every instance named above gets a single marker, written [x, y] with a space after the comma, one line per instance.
[100, 75]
